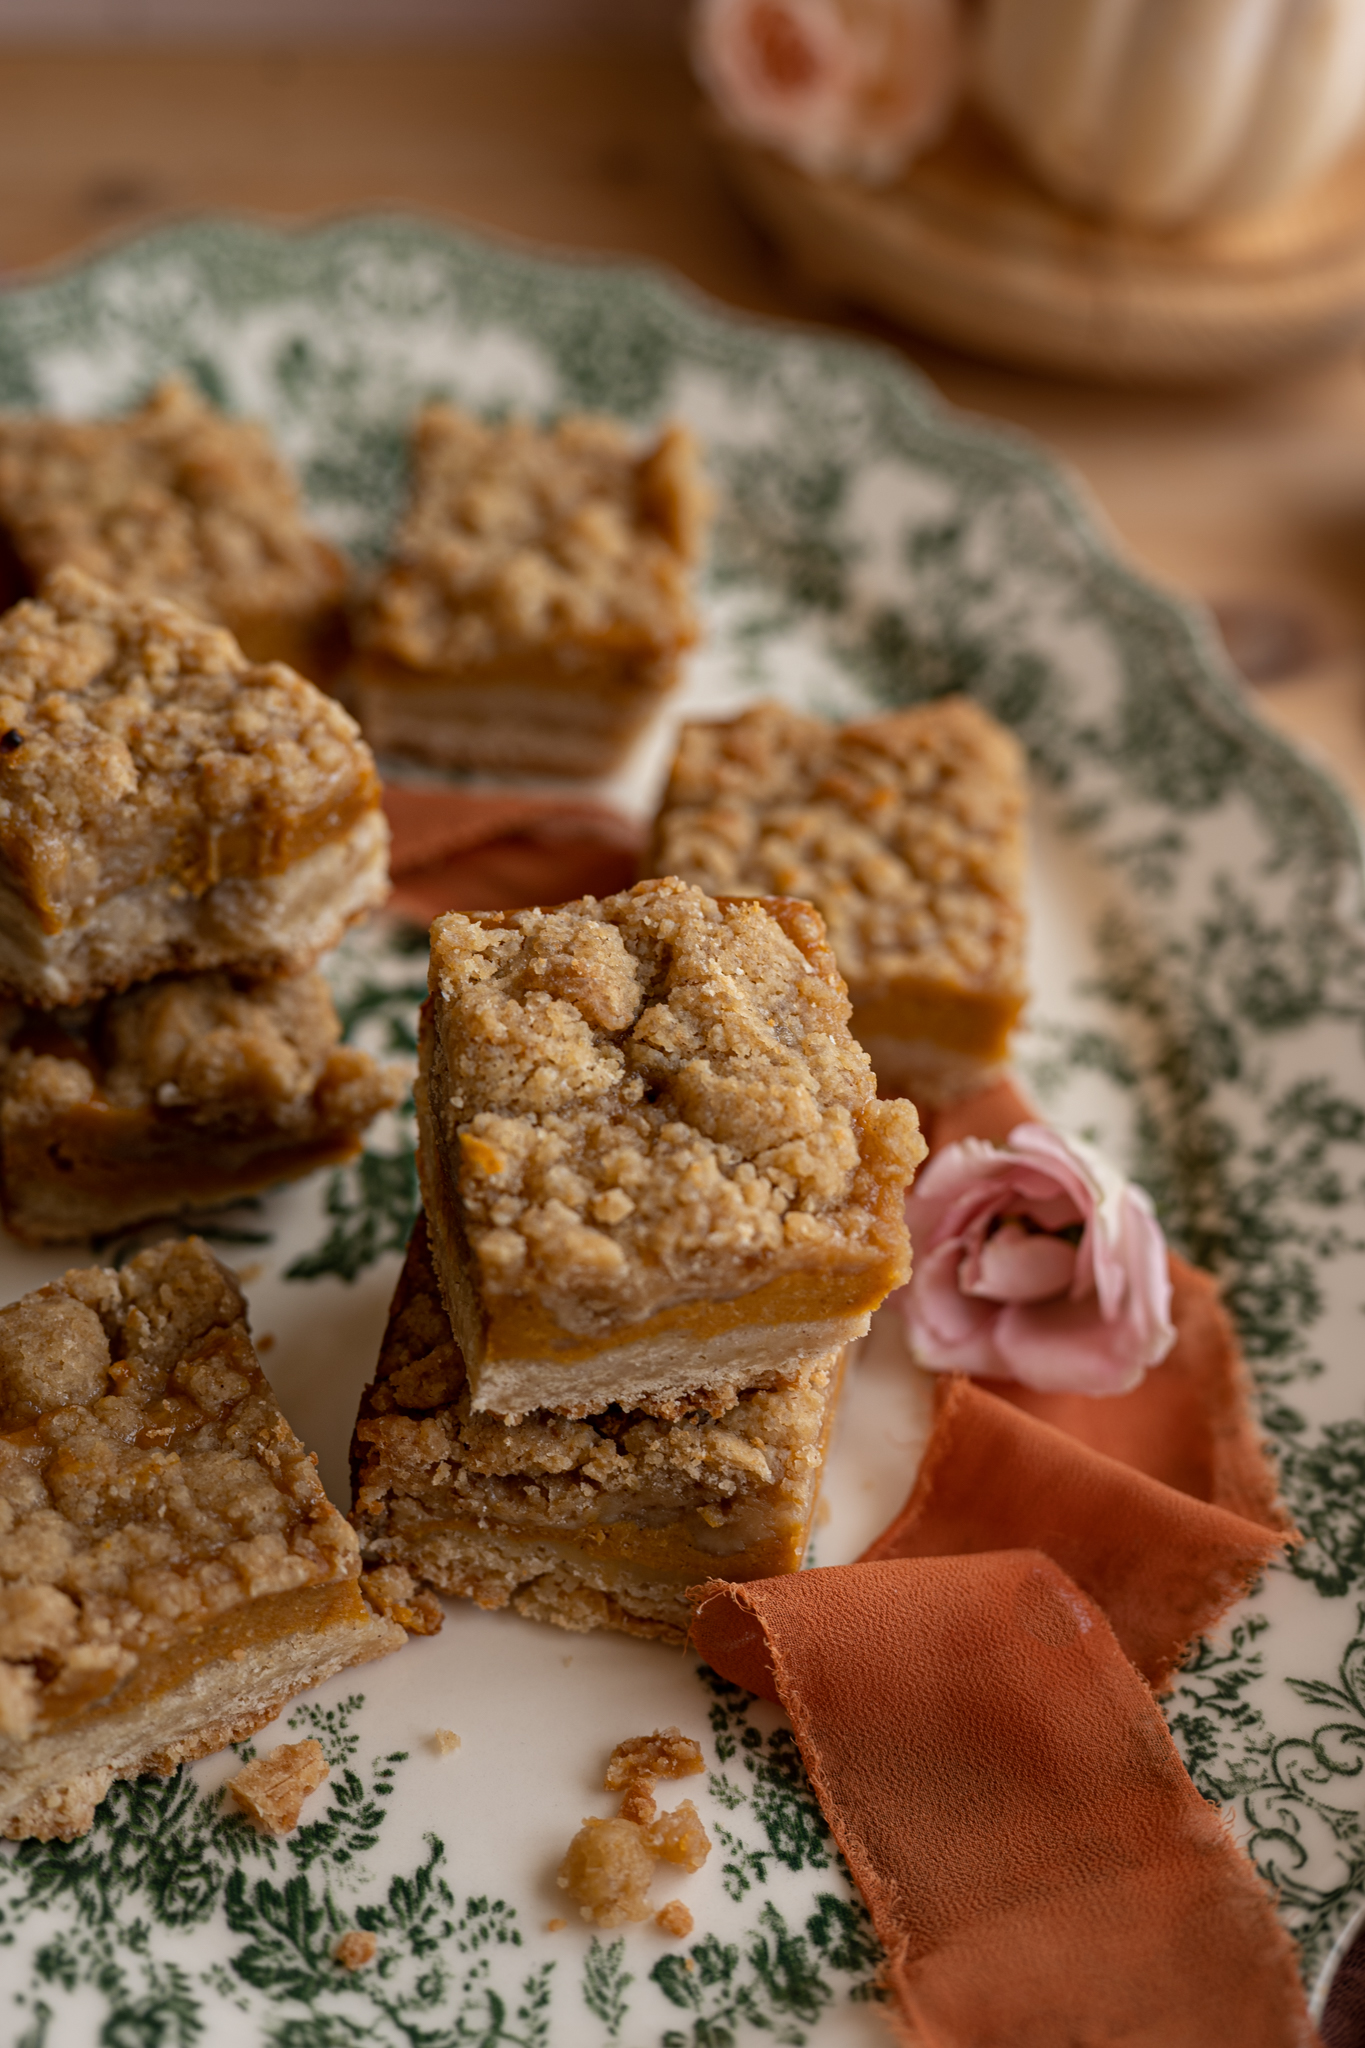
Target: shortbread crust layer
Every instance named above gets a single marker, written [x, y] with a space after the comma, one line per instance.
[507, 725]
[652, 1156]
[169, 1563]
[906, 832]
[609, 1517]
[186, 1092]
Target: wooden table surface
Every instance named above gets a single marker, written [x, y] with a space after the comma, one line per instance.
[1253, 499]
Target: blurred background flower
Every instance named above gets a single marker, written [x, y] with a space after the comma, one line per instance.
[844, 88]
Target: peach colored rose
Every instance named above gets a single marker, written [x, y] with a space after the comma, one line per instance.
[845, 88]
[1036, 1261]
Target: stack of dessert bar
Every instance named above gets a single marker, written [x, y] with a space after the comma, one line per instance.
[907, 833]
[536, 608]
[662, 1198]
[182, 834]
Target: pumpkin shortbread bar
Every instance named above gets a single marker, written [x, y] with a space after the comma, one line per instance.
[600, 1522]
[188, 1091]
[655, 1169]
[536, 607]
[178, 501]
[907, 833]
[171, 1571]
[165, 804]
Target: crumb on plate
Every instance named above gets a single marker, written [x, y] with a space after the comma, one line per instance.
[271, 1789]
[355, 1949]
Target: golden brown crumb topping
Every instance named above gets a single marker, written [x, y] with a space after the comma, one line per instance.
[148, 1481]
[424, 1451]
[674, 1919]
[519, 538]
[140, 743]
[204, 1048]
[667, 1753]
[656, 1097]
[173, 501]
[905, 832]
[271, 1789]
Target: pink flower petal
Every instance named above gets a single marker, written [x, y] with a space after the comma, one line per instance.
[1064, 1347]
[1015, 1264]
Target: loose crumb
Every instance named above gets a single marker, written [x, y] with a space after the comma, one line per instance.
[355, 1948]
[555, 1926]
[266, 1341]
[674, 1919]
[271, 1789]
[444, 1741]
[637, 1802]
[667, 1753]
[679, 1837]
[607, 1869]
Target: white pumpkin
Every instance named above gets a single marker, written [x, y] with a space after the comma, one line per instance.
[1161, 112]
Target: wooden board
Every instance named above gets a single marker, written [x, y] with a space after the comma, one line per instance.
[968, 249]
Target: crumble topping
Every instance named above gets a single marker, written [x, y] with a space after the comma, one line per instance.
[445, 1741]
[657, 1097]
[175, 500]
[210, 1049]
[905, 832]
[425, 1451]
[271, 1790]
[148, 1481]
[675, 1920]
[147, 745]
[518, 538]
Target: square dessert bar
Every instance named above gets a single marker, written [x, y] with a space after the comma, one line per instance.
[655, 1169]
[171, 1571]
[600, 1522]
[165, 804]
[192, 1090]
[537, 604]
[175, 501]
[907, 833]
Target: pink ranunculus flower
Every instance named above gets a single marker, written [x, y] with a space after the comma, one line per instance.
[1036, 1261]
[845, 88]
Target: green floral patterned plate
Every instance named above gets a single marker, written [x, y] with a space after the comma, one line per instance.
[1200, 968]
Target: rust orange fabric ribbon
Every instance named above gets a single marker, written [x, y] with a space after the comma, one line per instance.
[469, 850]
[1039, 1867]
